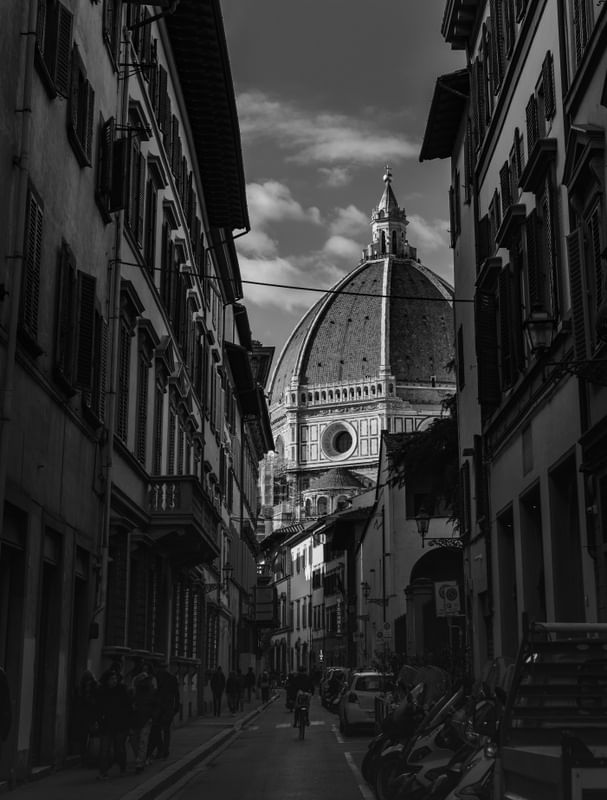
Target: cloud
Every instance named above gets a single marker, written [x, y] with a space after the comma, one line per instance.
[257, 243]
[427, 235]
[272, 201]
[320, 137]
[343, 247]
[350, 221]
[335, 177]
[274, 282]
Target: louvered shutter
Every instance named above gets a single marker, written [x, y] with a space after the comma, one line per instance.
[534, 265]
[150, 225]
[465, 510]
[141, 176]
[158, 430]
[483, 242]
[519, 153]
[167, 138]
[142, 408]
[548, 86]
[30, 292]
[594, 229]
[461, 365]
[532, 122]
[74, 97]
[175, 142]
[576, 287]
[486, 349]
[505, 329]
[88, 122]
[86, 330]
[124, 361]
[106, 141]
[505, 186]
[101, 368]
[498, 44]
[120, 174]
[162, 98]
[65, 331]
[61, 71]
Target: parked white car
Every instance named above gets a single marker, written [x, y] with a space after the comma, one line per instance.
[357, 704]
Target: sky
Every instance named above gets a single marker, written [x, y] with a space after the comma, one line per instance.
[328, 92]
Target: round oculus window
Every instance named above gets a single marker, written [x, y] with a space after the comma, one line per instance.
[338, 440]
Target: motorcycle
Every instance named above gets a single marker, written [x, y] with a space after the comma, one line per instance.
[432, 745]
[302, 712]
[397, 726]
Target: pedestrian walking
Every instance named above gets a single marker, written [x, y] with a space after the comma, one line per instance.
[218, 684]
[264, 685]
[249, 680]
[241, 688]
[144, 709]
[114, 715]
[232, 692]
[5, 708]
[84, 718]
[167, 705]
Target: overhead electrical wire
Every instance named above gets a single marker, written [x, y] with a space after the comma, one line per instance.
[322, 291]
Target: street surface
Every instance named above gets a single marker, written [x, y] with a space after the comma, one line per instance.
[267, 761]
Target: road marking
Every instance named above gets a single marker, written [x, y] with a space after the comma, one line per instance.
[364, 790]
[290, 724]
[338, 735]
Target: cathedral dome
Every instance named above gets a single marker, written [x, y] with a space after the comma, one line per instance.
[390, 318]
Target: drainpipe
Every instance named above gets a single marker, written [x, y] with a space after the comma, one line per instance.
[21, 178]
[99, 615]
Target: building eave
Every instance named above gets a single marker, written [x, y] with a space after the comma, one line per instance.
[446, 112]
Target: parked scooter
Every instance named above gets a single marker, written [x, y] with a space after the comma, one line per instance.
[437, 736]
[397, 726]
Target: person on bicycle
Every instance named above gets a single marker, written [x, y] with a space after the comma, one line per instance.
[302, 682]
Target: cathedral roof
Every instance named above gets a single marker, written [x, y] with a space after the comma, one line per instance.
[389, 316]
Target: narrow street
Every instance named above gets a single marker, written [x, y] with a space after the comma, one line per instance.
[267, 760]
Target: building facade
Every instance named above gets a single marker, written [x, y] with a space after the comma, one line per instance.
[524, 127]
[132, 419]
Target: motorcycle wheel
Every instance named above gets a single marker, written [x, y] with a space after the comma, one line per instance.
[368, 767]
[388, 769]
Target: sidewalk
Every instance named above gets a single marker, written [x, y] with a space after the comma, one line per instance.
[190, 744]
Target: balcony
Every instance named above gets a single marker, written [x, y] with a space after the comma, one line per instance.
[183, 519]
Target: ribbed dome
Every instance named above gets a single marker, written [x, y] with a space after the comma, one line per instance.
[390, 318]
[390, 315]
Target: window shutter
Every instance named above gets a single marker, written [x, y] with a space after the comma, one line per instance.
[101, 367]
[486, 349]
[483, 243]
[594, 226]
[499, 48]
[120, 174]
[532, 123]
[86, 330]
[157, 451]
[61, 72]
[30, 292]
[519, 154]
[140, 200]
[171, 444]
[534, 259]
[65, 330]
[548, 86]
[578, 321]
[505, 186]
[505, 329]
[142, 408]
[461, 366]
[163, 98]
[124, 361]
[150, 226]
[465, 511]
[106, 141]
[41, 20]
[88, 121]
[452, 234]
[75, 84]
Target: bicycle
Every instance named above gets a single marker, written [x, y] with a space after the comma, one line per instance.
[302, 705]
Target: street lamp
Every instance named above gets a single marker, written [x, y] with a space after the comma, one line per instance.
[227, 571]
[540, 328]
[423, 525]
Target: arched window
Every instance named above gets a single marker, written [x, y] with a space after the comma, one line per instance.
[366, 391]
[303, 398]
[308, 508]
[383, 241]
[391, 388]
[292, 398]
[323, 396]
[330, 394]
[379, 388]
[309, 397]
[394, 242]
[358, 392]
[316, 396]
[337, 394]
[321, 506]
